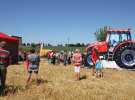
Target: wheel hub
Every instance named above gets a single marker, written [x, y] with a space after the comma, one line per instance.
[128, 57]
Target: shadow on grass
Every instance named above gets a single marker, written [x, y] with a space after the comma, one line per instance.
[38, 82]
[83, 77]
[11, 89]
[42, 81]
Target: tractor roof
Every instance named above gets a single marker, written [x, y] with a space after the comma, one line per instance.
[120, 30]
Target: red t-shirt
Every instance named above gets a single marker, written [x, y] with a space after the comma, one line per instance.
[94, 56]
[77, 59]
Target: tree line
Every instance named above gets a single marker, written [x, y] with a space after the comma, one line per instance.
[100, 35]
[59, 45]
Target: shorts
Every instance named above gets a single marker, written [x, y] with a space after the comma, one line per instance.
[77, 69]
[31, 70]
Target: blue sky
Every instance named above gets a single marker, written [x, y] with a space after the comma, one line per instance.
[54, 21]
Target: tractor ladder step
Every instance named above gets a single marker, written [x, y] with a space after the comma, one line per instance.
[110, 56]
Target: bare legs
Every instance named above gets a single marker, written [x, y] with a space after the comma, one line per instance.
[77, 76]
[30, 78]
[99, 74]
[93, 71]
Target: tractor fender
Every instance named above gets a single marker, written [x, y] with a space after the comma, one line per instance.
[122, 44]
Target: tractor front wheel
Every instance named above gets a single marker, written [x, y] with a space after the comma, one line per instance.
[89, 60]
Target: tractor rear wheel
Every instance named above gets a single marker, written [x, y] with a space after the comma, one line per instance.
[125, 56]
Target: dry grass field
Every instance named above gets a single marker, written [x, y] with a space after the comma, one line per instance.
[57, 83]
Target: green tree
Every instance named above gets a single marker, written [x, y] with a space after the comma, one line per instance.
[27, 48]
[101, 33]
[33, 45]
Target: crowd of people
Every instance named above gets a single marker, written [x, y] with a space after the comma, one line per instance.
[59, 57]
[32, 63]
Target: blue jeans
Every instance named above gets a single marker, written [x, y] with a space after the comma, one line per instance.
[65, 62]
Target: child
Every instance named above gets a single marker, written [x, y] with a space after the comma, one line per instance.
[77, 59]
[99, 66]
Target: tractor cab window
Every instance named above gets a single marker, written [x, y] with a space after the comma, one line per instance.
[125, 37]
[114, 39]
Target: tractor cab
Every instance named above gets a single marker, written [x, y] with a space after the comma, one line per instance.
[114, 37]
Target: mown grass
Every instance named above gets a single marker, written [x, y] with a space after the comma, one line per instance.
[57, 83]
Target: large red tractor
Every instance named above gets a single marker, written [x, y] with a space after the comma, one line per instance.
[118, 47]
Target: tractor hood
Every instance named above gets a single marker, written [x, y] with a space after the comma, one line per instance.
[100, 46]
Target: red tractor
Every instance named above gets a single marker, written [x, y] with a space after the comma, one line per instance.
[118, 47]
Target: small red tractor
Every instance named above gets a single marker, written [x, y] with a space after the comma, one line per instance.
[118, 47]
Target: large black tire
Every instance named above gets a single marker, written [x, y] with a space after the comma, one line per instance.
[89, 60]
[125, 56]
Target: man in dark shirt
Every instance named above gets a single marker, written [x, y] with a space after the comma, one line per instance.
[4, 62]
[33, 61]
[65, 58]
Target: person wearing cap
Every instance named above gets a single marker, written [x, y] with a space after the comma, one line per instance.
[4, 62]
[99, 67]
[77, 59]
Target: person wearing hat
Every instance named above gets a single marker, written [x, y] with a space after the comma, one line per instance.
[77, 59]
[4, 62]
